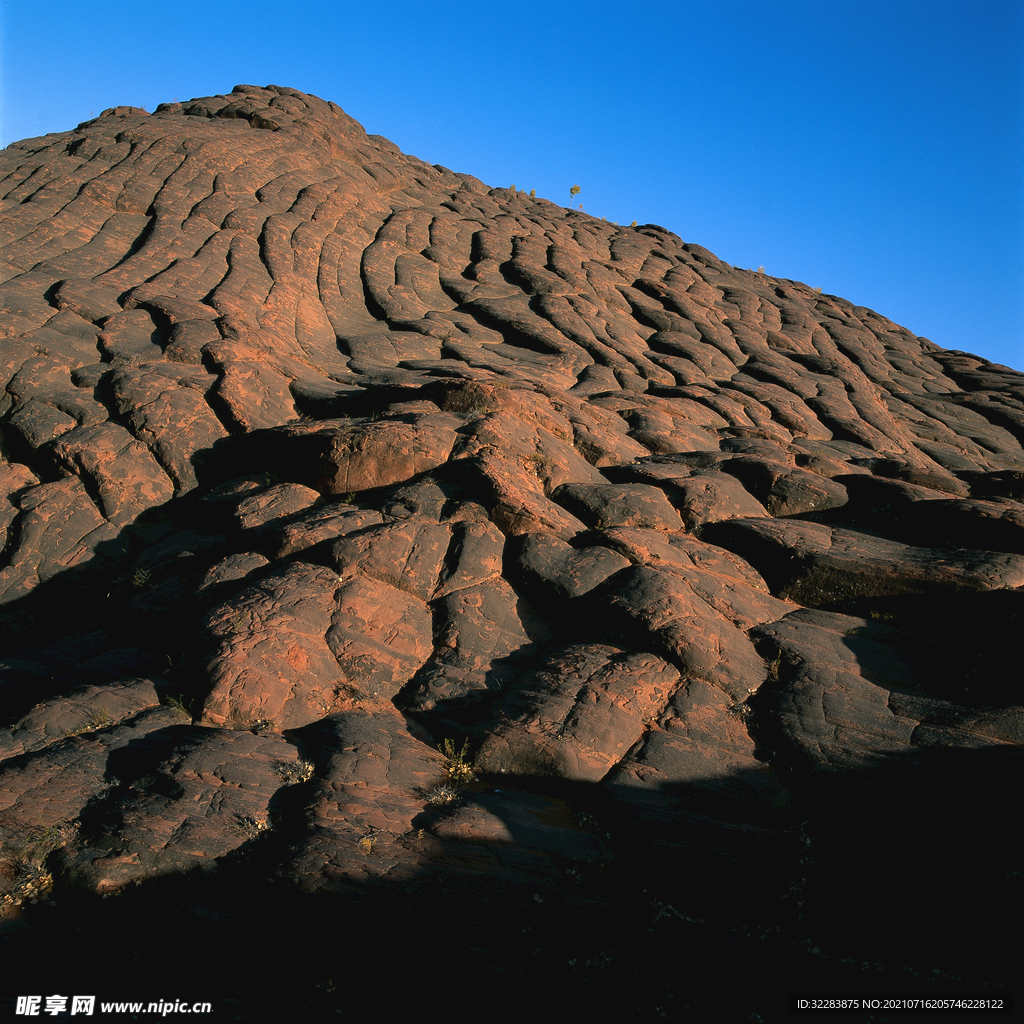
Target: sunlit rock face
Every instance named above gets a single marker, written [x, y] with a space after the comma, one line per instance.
[376, 537]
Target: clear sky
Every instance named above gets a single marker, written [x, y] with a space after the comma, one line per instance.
[873, 149]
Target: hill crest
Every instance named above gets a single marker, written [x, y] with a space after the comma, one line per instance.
[316, 456]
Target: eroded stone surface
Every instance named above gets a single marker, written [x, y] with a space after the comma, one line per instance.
[314, 456]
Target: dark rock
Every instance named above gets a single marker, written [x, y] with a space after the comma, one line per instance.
[816, 566]
[578, 713]
[611, 505]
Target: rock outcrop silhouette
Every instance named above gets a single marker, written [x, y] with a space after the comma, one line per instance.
[511, 587]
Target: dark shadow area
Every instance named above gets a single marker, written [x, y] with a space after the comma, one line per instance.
[895, 879]
[688, 898]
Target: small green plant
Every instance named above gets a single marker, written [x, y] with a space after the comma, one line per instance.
[178, 703]
[632, 224]
[533, 193]
[457, 762]
[97, 720]
[573, 193]
[481, 406]
[44, 839]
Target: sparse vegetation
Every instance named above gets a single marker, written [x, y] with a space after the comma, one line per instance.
[878, 616]
[251, 827]
[295, 772]
[24, 879]
[457, 761]
[740, 710]
[44, 839]
[573, 193]
[256, 725]
[178, 703]
[99, 719]
[23, 883]
[442, 794]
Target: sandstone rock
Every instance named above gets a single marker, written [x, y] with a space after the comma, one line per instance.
[314, 457]
[272, 666]
[553, 571]
[379, 635]
[183, 805]
[668, 613]
[120, 469]
[578, 713]
[614, 505]
[815, 565]
[701, 739]
[375, 455]
[478, 629]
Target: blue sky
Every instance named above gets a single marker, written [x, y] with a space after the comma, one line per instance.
[873, 149]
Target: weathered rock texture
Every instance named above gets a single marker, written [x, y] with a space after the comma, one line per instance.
[316, 456]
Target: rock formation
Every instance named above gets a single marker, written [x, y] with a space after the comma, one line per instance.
[528, 600]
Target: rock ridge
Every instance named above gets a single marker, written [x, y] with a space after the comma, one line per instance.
[319, 462]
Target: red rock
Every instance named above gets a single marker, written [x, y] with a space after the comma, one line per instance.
[356, 455]
[184, 805]
[677, 620]
[611, 505]
[278, 502]
[373, 455]
[579, 713]
[272, 663]
[123, 472]
[380, 636]
[701, 739]
[59, 526]
[477, 630]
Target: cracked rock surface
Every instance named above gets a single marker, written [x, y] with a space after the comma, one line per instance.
[384, 548]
